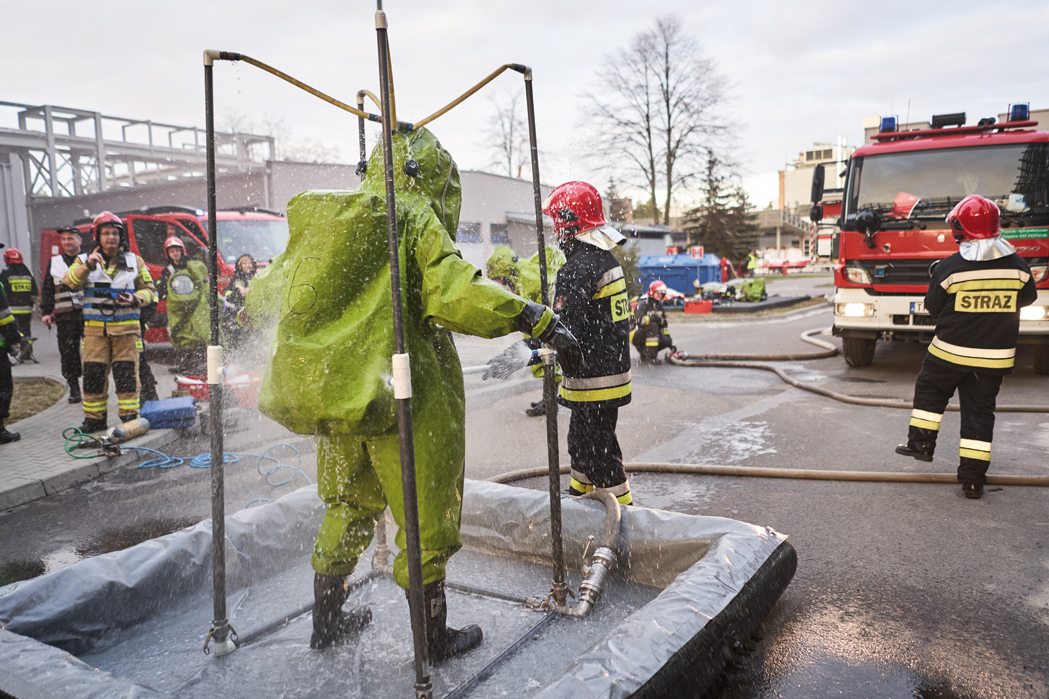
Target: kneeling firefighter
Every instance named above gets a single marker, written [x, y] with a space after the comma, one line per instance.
[332, 351]
[975, 295]
[650, 333]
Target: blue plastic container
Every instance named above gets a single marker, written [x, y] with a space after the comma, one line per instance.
[679, 272]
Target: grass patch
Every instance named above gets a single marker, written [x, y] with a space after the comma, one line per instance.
[34, 395]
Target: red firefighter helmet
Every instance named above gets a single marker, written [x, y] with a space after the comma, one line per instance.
[657, 287]
[575, 208]
[107, 218]
[12, 256]
[974, 217]
[174, 242]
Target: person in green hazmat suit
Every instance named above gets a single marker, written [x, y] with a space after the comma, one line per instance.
[331, 356]
[184, 284]
[523, 278]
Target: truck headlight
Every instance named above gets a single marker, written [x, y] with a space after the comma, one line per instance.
[1032, 313]
[857, 275]
[1038, 273]
[854, 310]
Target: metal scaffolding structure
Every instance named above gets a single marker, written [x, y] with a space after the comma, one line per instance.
[71, 152]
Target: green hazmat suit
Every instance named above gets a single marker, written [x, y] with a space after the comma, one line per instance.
[524, 274]
[331, 354]
[189, 315]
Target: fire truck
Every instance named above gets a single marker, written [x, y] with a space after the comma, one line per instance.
[258, 232]
[892, 230]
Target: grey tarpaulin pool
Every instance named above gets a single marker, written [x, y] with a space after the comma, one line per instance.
[132, 623]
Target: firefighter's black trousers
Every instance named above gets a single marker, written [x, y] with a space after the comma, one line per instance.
[597, 460]
[70, 332]
[7, 386]
[977, 393]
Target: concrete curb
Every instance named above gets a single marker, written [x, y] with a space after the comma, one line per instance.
[82, 471]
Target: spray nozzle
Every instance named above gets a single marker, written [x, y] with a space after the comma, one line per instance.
[411, 168]
[362, 168]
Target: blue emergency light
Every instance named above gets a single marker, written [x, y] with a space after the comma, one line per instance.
[1019, 112]
[888, 125]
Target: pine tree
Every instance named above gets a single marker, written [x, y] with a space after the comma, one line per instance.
[722, 224]
[708, 224]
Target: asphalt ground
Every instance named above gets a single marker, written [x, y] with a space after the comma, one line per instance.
[902, 590]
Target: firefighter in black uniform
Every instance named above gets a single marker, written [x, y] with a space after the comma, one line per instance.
[10, 339]
[64, 309]
[590, 296]
[975, 296]
[21, 290]
[650, 333]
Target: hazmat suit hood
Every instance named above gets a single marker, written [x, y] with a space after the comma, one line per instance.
[438, 179]
[503, 263]
[329, 296]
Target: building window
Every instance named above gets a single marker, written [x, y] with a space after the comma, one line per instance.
[469, 233]
[500, 235]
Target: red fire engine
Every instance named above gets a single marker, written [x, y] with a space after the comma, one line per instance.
[892, 230]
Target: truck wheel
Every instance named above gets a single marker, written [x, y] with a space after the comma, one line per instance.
[1041, 359]
[859, 352]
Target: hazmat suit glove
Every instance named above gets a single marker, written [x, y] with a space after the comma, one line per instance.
[542, 323]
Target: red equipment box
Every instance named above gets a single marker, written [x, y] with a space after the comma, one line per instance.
[699, 306]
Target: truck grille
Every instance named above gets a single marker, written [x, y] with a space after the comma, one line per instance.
[896, 271]
[916, 320]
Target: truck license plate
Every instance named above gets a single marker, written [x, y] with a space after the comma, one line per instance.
[917, 307]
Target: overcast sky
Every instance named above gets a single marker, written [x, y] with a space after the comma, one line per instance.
[802, 71]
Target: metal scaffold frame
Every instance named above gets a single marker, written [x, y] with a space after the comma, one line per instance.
[72, 152]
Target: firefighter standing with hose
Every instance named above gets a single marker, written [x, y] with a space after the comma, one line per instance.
[21, 290]
[63, 308]
[332, 353]
[651, 334]
[975, 295]
[592, 300]
[116, 284]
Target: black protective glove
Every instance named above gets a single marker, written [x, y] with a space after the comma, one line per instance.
[555, 334]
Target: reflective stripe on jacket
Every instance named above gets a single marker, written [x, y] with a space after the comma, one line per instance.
[591, 297]
[63, 300]
[977, 305]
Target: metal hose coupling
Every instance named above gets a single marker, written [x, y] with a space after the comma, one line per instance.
[590, 589]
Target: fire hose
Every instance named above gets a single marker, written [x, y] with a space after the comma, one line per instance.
[725, 361]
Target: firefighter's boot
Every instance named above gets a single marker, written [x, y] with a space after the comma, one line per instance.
[442, 642]
[973, 491]
[330, 623]
[91, 425]
[538, 409]
[6, 436]
[921, 443]
[74, 391]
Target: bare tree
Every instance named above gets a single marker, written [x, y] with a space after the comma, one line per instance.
[507, 133]
[657, 111]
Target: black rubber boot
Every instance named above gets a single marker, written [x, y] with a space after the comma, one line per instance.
[442, 642]
[90, 426]
[921, 443]
[537, 410]
[6, 437]
[330, 623]
[973, 491]
[74, 391]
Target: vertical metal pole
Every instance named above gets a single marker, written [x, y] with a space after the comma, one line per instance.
[560, 589]
[362, 142]
[423, 687]
[219, 624]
